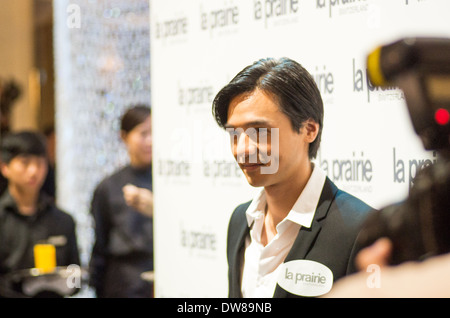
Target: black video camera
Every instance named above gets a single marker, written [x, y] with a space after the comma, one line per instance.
[419, 227]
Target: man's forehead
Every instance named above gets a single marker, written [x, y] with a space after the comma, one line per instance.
[254, 123]
[257, 108]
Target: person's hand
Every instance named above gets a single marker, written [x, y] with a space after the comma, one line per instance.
[139, 198]
[378, 253]
[409, 279]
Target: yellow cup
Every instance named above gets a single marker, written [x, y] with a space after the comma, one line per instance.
[45, 257]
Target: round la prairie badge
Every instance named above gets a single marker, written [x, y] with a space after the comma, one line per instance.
[305, 278]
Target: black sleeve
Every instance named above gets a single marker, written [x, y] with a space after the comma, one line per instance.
[237, 230]
[99, 211]
[74, 255]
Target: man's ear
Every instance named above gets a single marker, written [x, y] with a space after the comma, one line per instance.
[311, 130]
[123, 135]
[4, 169]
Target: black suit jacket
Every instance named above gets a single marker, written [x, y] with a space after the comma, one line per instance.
[330, 240]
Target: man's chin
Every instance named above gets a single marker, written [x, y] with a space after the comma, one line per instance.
[256, 181]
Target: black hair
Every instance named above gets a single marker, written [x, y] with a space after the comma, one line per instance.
[134, 116]
[22, 143]
[294, 89]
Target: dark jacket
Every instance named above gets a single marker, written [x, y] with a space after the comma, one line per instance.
[330, 240]
[123, 248]
[18, 235]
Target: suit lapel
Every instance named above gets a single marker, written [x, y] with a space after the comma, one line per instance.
[240, 236]
[300, 248]
[236, 241]
[306, 236]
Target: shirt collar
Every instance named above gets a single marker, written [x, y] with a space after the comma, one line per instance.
[303, 209]
[7, 202]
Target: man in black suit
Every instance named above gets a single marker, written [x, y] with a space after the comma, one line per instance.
[298, 234]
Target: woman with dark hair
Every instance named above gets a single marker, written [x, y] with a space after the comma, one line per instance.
[123, 249]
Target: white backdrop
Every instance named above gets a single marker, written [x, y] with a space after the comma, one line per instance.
[368, 146]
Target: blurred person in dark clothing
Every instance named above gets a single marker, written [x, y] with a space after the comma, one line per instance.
[123, 249]
[28, 216]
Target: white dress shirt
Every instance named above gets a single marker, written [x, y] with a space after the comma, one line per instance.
[261, 263]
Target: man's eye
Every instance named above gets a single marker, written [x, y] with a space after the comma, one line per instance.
[262, 132]
[233, 132]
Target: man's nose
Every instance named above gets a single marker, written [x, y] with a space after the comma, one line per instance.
[245, 149]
